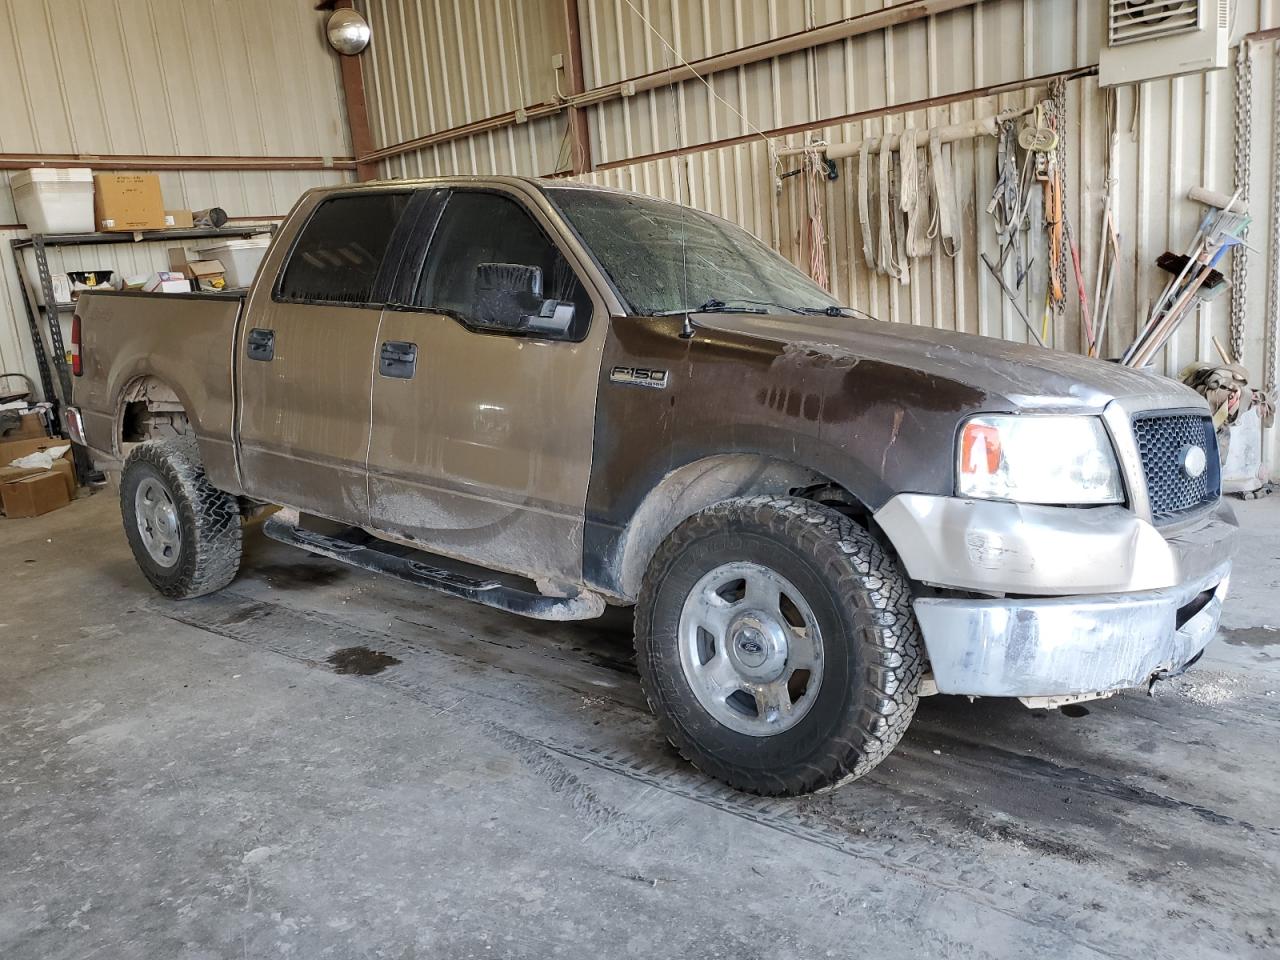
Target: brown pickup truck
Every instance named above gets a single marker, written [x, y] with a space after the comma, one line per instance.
[550, 397]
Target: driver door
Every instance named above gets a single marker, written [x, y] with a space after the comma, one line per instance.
[482, 434]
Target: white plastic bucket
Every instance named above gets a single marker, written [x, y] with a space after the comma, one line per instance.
[54, 201]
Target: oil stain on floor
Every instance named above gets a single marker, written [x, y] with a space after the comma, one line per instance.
[360, 661]
[302, 575]
[1264, 636]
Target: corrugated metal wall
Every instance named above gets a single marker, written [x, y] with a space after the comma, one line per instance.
[442, 64]
[1173, 134]
[161, 77]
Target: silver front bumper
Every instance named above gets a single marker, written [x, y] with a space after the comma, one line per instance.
[1068, 645]
[1069, 602]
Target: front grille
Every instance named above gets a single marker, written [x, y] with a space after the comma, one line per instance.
[1163, 442]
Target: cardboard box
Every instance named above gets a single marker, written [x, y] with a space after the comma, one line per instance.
[11, 450]
[33, 496]
[179, 219]
[207, 274]
[127, 201]
[167, 281]
[203, 274]
[67, 470]
[61, 288]
[31, 428]
[9, 474]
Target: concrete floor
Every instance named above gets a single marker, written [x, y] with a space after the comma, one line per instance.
[194, 780]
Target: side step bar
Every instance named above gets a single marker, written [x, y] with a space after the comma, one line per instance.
[359, 549]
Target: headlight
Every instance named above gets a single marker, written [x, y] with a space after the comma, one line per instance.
[1038, 459]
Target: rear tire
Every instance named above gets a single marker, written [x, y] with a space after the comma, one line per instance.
[777, 645]
[185, 533]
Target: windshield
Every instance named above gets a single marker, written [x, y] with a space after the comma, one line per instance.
[664, 258]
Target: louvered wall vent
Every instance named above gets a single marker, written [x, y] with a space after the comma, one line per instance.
[1133, 20]
[1149, 39]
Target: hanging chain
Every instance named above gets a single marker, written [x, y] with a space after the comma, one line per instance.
[1273, 272]
[1243, 133]
[1058, 122]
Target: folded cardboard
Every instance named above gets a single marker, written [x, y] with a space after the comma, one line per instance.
[127, 201]
[30, 427]
[179, 219]
[35, 495]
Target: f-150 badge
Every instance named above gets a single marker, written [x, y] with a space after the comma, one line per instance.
[639, 376]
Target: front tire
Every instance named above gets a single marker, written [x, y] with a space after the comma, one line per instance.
[185, 533]
[777, 645]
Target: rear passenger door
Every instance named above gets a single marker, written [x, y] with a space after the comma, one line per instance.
[306, 355]
[482, 450]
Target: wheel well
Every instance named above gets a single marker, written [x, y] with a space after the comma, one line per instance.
[833, 495]
[150, 410]
[694, 487]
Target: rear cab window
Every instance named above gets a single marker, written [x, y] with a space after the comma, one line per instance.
[341, 254]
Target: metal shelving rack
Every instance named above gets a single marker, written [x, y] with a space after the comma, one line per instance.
[58, 391]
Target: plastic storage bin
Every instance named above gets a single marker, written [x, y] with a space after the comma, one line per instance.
[54, 201]
[239, 258]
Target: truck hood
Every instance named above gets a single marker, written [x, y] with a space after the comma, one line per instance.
[1011, 374]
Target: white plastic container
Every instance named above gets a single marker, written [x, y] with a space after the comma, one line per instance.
[1242, 470]
[239, 258]
[54, 201]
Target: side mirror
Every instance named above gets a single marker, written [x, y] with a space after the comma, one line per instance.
[509, 297]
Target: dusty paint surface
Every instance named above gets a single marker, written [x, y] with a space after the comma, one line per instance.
[535, 456]
[870, 406]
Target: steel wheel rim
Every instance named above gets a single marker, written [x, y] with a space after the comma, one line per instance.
[157, 519]
[750, 648]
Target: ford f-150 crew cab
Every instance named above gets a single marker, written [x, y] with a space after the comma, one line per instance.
[549, 397]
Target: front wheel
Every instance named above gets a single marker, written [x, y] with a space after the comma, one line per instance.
[185, 533]
[777, 645]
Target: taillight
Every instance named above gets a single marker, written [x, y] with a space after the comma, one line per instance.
[77, 367]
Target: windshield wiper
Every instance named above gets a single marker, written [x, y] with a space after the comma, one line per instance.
[720, 306]
[834, 311]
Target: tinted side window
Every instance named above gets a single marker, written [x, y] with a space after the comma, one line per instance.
[338, 254]
[487, 228]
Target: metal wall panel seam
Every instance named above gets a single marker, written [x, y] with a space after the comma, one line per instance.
[158, 51]
[27, 98]
[195, 80]
[107, 128]
[409, 95]
[62, 87]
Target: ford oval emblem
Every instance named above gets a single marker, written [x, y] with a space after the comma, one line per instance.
[1193, 461]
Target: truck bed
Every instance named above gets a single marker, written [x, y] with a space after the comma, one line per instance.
[133, 345]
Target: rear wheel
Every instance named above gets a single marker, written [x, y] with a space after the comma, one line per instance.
[185, 533]
[777, 645]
